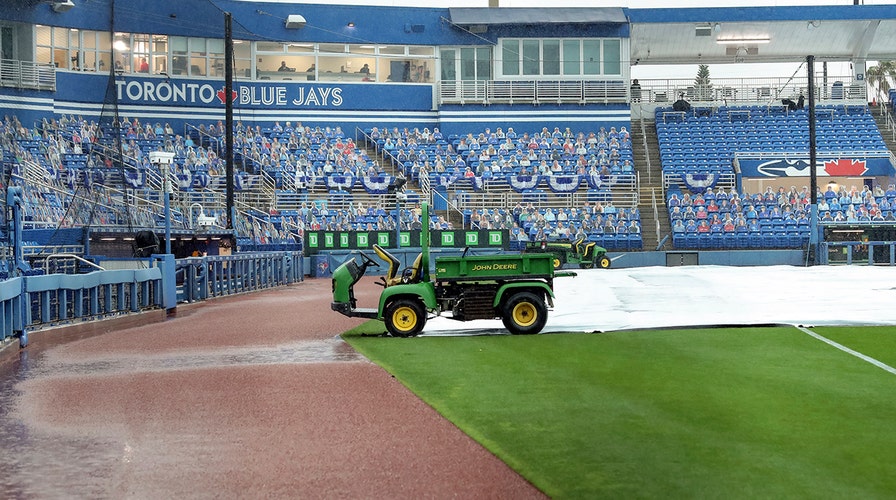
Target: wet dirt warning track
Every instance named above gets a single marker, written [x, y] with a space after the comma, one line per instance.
[242, 397]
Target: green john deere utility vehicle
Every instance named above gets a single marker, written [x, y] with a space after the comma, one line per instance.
[516, 288]
[584, 253]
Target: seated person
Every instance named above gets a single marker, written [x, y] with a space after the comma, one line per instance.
[284, 67]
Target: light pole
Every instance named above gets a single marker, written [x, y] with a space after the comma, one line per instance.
[163, 159]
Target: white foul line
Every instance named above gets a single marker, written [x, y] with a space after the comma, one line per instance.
[882, 366]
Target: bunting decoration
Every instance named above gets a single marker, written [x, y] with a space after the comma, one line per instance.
[377, 184]
[184, 182]
[697, 183]
[342, 182]
[594, 181]
[201, 179]
[563, 183]
[136, 179]
[521, 183]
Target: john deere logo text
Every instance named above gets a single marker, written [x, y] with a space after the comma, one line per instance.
[494, 267]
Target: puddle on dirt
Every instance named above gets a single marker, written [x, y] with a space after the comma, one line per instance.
[318, 351]
[37, 464]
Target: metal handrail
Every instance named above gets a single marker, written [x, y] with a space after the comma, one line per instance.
[70, 256]
[646, 149]
[656, 212]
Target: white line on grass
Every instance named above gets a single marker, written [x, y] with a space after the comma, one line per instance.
[882, 366]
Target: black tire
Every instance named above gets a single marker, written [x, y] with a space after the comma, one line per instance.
[404, 318]
[604, 262]
[524, 313]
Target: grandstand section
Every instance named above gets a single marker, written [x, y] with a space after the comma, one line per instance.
[500, 123]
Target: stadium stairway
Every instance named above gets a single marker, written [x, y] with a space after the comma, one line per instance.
[650, 173]
[888, 134]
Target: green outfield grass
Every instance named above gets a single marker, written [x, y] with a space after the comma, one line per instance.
[713, 413]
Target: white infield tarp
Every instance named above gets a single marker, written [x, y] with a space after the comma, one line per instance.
[599, 300]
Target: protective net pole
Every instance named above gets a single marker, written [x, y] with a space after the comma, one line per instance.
[228, 113]
[813, 177]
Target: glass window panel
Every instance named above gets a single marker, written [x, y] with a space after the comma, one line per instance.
[140, 54]
[362, 49]
[355, 64]
[60, 58]
[392, 49]
[510, 57]
[332, 48]
[572, 64]
[216, 56]
[300, 48]
[88, 60]
[89, 40]
[179, 43]
[7, 43]
[551, 56]
[468, 63]
[104, 62]
[329, 65]
[449, 69]
[591, 57]
[483, 63]
[197, 45]
[612, 57]
[60, 37]
[44, 35]
[269, 47]
[242, 49]
[531, 57]
[122, 46]
[216, 45]
[198, 66]
[396, 70]
[421, 71]
[44, 55]
[418, 50]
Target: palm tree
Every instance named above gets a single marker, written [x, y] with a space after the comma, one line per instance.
[879, 77]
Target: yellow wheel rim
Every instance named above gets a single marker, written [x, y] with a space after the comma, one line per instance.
[557, 263]
[524, 314]
[404, 319]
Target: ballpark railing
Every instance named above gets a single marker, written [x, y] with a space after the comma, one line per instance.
[34, 302]
[201, 278]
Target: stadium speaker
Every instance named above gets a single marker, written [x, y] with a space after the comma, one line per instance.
[146, 243]
[63, 6]
[295, 21]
